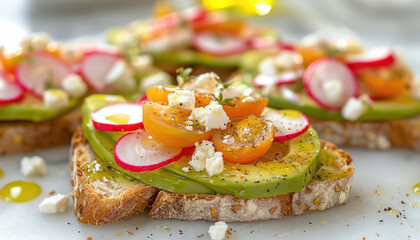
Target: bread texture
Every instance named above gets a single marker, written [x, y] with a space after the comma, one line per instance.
[21, 137]
[373, 135]
[98, 202]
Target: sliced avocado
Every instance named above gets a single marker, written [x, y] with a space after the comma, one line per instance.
[289, 173]
[102, 143]
[34, 112]
[381, 110]
[329, 167]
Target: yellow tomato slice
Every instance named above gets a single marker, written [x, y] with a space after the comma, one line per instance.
[244, 141]
[160, 94]
[167, 125]
[385, 82]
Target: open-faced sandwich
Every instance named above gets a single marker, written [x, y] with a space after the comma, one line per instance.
[353, 96]
[43, 83]
[194, 37]
[201, 150]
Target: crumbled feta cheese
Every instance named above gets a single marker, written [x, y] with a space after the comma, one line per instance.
[160, 78]
[55, 204]
[120, 76]
[205, 81]
[218, 231]
[33, 166]
[202, 151]
[333, 90]
[35, 42]
[55, 99]
[229, 92]
[248, 99]
[211, 116]
[74, 85]
[287, 60]
[186, 169]
[355, 107]
[176, 39]
[267, 67]
[142, 63]
[289, 95]
[182, 98]
[214, 164]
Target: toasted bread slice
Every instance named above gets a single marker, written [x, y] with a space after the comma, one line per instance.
[373, 135]
[21, 137]
[97, 201]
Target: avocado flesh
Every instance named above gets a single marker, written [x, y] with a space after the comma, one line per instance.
[382, 110]
[290, 173]
[33, 110]
[102, 143]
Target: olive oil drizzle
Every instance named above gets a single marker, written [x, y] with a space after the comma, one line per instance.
[20, 191]
[416, 188]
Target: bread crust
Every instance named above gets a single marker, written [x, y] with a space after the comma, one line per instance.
[373, 135]
[90, 208]
[21, 137]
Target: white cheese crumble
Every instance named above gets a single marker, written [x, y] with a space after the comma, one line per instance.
[214, 164]
[55, 204]
[35, 42]
[355, 107]
[229, 92]
[287, 60]
[212, 116]
[249, 99]
[74, 85]
[142, 63]
[182, 98]
[206, 157]
[333, 90]
[160, 78]
[55, 99]
[120, 76]
[33, 166]
[205, 81]
[267, 67]
[218, 231]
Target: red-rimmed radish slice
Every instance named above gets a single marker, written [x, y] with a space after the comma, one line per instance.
[375, 57]
[9, 91]
[219, 44]
[262, 80]
[288, 124]
[261, 43]
[138, 152]
[330, 83]
[95, 66]
[40, 70]
[118, 117]
[188, 151]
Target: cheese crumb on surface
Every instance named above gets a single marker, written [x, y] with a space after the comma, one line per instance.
[74, 85]
[33, 166]
[160, 78]
[211, 116]
[218, 231]
[55, 99]
[214, 164]
[182, 98]
[55, 204]
[333, 90]
[205, 81]
[355, 107]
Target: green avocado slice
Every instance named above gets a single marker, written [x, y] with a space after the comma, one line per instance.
[102, 143]
[381, 110]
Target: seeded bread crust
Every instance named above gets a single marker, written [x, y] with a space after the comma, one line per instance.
[21, 137]
[95, 204]
[373, 135]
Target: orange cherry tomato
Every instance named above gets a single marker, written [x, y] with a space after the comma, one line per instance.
[167, 125]
[160, 94]
[244, 109]
[312, 53]
[244, 141]
[385, 82]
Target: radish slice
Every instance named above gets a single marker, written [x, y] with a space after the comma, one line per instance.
[376, 57]
[118, 117]
[188, 151]
[219, 44]
[288, 124]
[330, 83]
[9, 92]
[262, 80]
[39, 71]
[95, 65]
[260, 43]
[138, 152]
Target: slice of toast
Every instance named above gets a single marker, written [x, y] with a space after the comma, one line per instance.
[21, 137]
[373, 135]
[97, 202]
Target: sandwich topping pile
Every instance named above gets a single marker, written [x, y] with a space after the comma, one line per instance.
[204, 136]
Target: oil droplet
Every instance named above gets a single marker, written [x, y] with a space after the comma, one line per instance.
[120, 118]
[20, 191]
[1, 173]
[416, 188]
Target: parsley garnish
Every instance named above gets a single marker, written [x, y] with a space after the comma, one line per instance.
[184, 74]
[224, 102]
[224, 84]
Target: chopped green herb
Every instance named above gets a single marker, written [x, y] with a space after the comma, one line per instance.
[184, 74]
[224, 84]
[224, 102]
